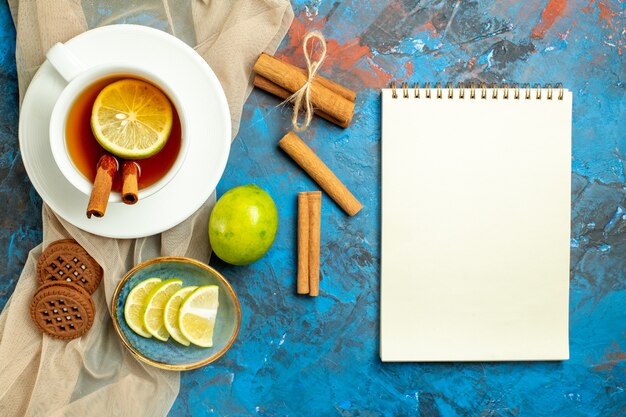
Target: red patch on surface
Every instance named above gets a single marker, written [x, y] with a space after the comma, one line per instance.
[605, 14]
[553, 10]
[408, 69]
[430, 28]
[348, 60]
[609, 19]
[610, 359]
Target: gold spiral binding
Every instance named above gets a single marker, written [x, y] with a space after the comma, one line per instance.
[494, 87]
[471, 86]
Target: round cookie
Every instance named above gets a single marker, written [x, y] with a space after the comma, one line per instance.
[63, 310]
[67, 261]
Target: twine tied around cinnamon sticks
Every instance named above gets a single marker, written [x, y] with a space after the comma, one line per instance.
[302, 97]
[319, 95]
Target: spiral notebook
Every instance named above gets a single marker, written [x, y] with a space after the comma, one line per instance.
[475, 223]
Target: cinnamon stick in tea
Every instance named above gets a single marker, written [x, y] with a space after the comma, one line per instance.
[306, 158]
[130, 182]
[326, 100]
[266, 85]
[107, 168]
[303, 244]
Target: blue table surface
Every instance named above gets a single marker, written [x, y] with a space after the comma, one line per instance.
[300, 356]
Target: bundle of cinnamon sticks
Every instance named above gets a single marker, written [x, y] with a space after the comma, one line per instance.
[330, 100]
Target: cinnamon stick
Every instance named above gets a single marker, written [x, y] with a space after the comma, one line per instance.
[107, 168]
[130, 182]
[315, 221]
[306, 158]
[303, 244]
[331, 85]
[285, 76]
[266, 85]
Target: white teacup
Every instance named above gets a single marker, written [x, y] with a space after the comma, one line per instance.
[80, 78]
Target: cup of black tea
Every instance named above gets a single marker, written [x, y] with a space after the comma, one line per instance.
[73, 143]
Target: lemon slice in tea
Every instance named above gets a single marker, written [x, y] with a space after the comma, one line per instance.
[135, 305]
[131, 119]
[196, 318]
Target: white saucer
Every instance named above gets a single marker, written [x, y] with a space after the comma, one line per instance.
[208, 131]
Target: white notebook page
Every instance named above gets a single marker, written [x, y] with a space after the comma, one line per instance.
[475, 226]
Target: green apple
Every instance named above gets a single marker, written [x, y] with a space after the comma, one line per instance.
[243, 225]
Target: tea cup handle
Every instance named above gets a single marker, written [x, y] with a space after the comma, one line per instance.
[64, 61]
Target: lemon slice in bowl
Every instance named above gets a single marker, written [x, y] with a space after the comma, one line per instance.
[170, 314]
[155, 306]
[196, 318]
[134, 306]
[131, 119]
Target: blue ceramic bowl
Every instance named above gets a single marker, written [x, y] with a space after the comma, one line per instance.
[172, 355]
